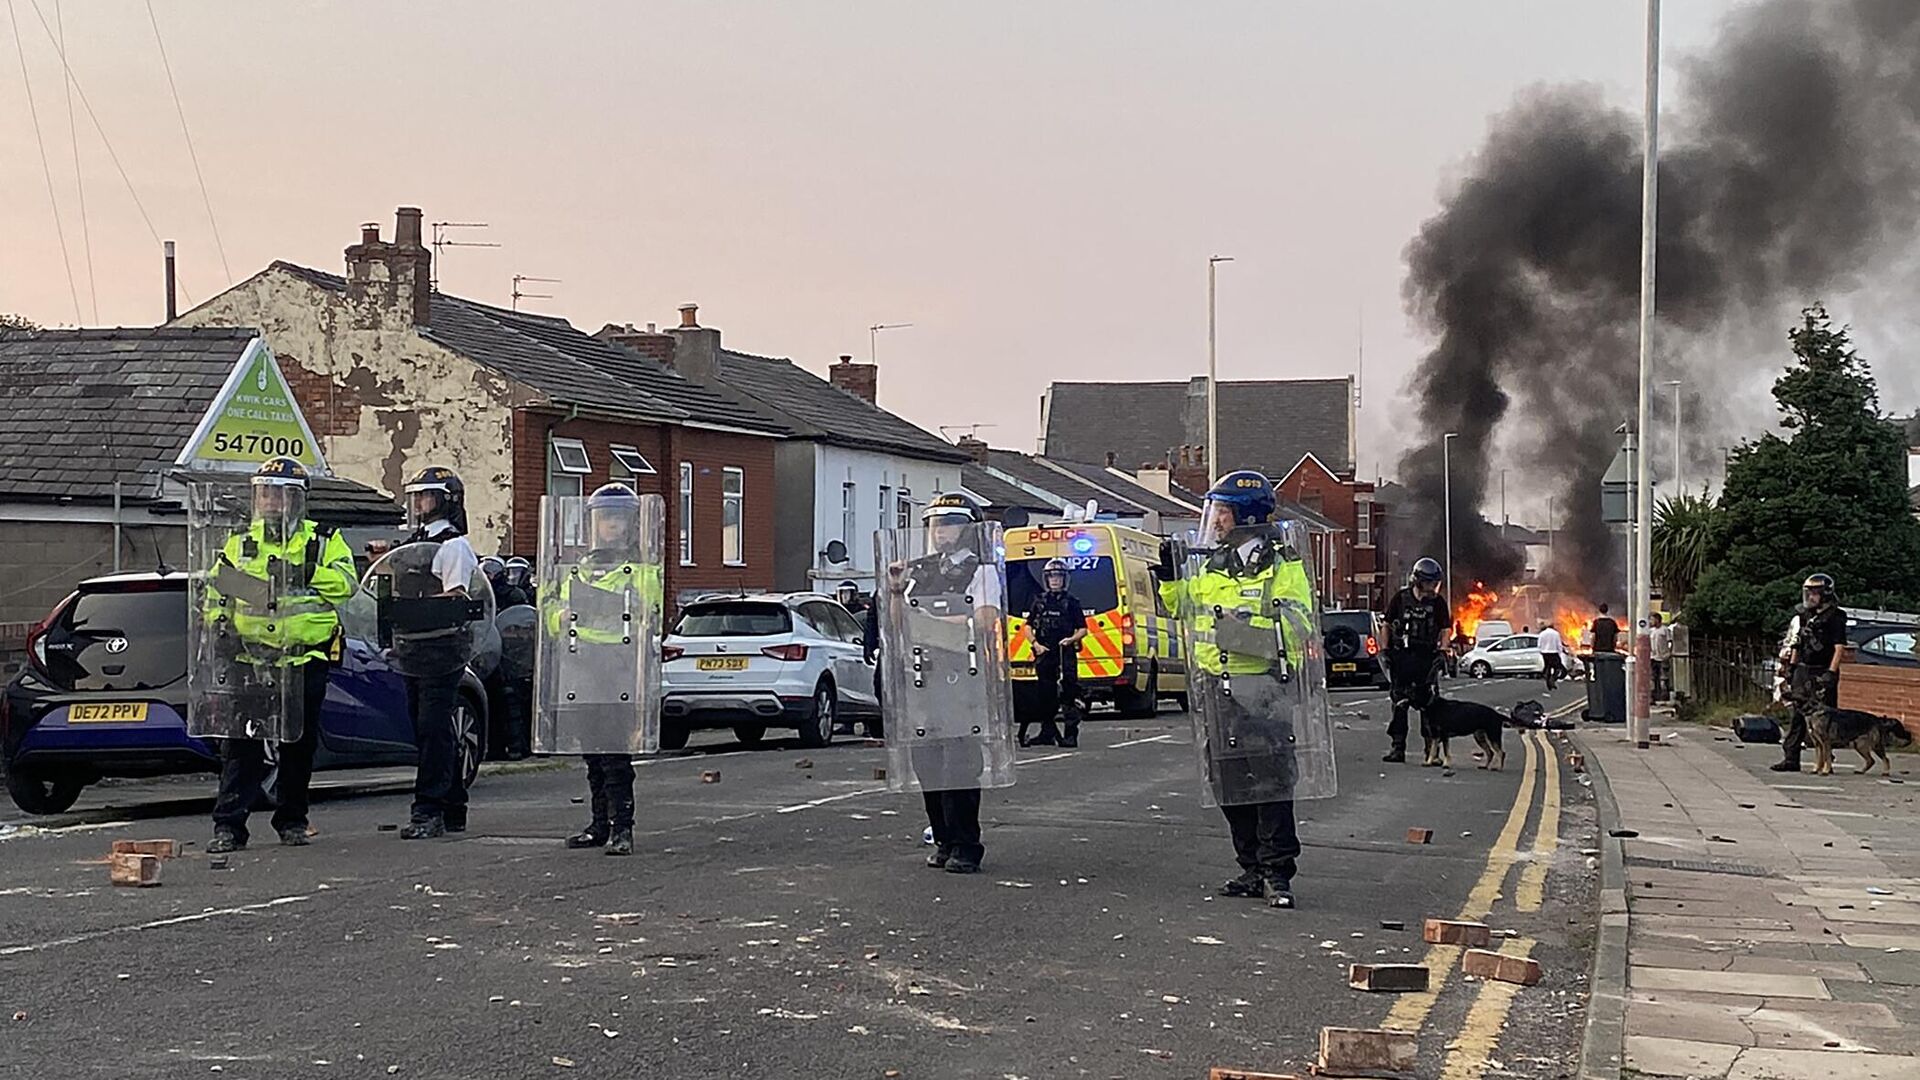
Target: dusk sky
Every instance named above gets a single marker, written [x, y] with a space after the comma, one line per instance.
[1035, 186]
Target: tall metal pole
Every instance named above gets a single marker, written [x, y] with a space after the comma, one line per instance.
[1213, 369]
[1677, 438]
[1446, 469]
[1640, 703]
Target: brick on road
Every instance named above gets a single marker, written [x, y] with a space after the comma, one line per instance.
[1366, 1051]
[1484, 964]
[1449, 932]
[1388, 978]
[161, 849]
[136, 871]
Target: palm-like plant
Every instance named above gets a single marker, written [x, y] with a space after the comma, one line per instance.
[1683, 540]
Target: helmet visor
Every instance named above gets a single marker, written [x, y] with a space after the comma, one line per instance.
[279, 503]
[613, 528]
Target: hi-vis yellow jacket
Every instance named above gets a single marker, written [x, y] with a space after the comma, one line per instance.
[317, 579]
[612, 579]
[1263, 594]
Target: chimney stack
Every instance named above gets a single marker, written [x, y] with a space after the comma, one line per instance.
[1191, 473]
[977, 447]
[384, 280]
[860, 380]
[696, 348]
[649, 342]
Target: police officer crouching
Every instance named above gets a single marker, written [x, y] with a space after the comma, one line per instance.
[1246, 601]
[1058, 624]
[1417, 637]
[1814, 663]
[309, 572]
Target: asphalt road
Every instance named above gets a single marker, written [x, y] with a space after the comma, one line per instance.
[781, 923]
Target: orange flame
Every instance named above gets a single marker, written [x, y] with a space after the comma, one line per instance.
[1572, 624]
[1479, 602]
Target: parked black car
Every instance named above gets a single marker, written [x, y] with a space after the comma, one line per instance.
[1353, 640]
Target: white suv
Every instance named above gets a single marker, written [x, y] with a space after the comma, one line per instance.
[790, 660]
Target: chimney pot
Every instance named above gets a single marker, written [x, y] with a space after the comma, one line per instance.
[689, 316]
[846, 358]
[370, 233]
[652, 328]
[406, 226]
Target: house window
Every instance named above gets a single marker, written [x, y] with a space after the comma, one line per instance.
[1363, 525]
[686, 513]
[567, 469]
[848, 524]
[886, 506]
[903, 509]
[733, 537]
[628, 464]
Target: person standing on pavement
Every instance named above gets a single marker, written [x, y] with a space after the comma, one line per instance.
[1462, 644]
[1605, 633]
[1416, 644]
[300, 635]
[437, 504]
[1660, 646]
[1814, 663]
[590, 604]
[1240, 599]
[1059, 624]
[1553, 655]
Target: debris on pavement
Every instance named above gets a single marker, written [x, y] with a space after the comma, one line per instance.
[804, 763]
[137, 871]
[1392, 924]
[710, 776]
[1449, 932]
[1218, 1073]
[1483, 964]
[1366, 1051]
[159, 849]
[1419, 836]
[1388, 978]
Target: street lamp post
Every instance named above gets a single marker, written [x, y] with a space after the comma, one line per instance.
[1677, 429]
[1213, 369]
[1446, 470]
[1640, 699]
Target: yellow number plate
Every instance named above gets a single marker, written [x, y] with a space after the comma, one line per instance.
[1346, 667]
[721, 663]
[108, 712]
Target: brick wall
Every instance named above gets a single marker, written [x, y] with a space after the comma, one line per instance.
[1885, 690]
[331, 409]
[664, 447]
[1334, 499]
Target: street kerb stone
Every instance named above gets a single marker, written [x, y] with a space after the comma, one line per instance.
[1728, 982]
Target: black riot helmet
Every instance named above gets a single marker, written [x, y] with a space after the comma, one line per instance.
[1054, 571]
[445, 498]
[1818, 590]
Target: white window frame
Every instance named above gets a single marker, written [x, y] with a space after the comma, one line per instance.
[557, 457]
[1363, 525]
[686, 513]
[886, 503]
[849, 514]
[733, 550]
[568, 479]
[624, 462]
[903, 509]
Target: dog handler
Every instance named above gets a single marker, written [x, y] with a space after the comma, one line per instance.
[1416, 637]
[1814, 662]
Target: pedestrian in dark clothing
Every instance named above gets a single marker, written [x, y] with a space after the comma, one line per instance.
[1814, 664]
[1416, 643]
[1605, 633]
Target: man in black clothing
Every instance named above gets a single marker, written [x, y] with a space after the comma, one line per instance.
[1058, 624]
[1814, 662]
[1416, 634]
[1606, 632]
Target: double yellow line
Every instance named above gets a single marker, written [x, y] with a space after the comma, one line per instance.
[1468, 1055]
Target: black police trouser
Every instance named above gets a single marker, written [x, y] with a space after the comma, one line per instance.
[955, 817]
[610, 781]
[244, 768]
[437, 788]
[1266, 841]
[1059, 679]
[1802, 680]
[1407, 671]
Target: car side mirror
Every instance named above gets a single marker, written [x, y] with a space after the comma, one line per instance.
[836, 552]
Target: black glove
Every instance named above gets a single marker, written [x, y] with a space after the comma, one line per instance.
[1169, 558]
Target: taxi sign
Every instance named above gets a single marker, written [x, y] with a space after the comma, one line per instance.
[252, 418]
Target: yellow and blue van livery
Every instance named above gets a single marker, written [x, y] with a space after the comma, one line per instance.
[1131, 656]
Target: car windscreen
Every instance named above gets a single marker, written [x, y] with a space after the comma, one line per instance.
[734, 619]
[1360, 622]
[120, 639]
[1089, 578]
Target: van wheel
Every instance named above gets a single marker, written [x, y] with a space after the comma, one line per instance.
[37, 792]
[674, 736]
[817, 730]
[1134, 705]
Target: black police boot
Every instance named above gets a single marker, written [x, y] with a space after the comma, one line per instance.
[1278, 893]
[594, 835]
[424, 829]
[292, 836]
[1398, 754]
[620, 843]
[940, 857]
[1247, 884]
[1071, 738]
[1021, 737]
[225, 840]
[958, 865]
[456, 824]
[1789, 765]
[1049, 735]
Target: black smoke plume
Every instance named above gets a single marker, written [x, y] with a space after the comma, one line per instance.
[1789, 170]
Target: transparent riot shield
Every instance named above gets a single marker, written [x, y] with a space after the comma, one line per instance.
[241, 683]
[519, 631]
[597, 657]
[1257, 681]
[422, 627]
[948, 701]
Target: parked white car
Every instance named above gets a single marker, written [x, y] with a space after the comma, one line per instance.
[1515, 654]
[785, 660]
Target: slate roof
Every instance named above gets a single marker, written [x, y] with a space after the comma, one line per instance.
[1126, 487]
[1034, 473]
[813, 408]
[554, 357]
[999, 494]
[1265, 424]
[80, 409]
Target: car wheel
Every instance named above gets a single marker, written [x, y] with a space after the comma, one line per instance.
[42, 793]
[1134, 705]
[817, 730]
[877, 727]
[749, 734]
[1480, 669]
[674, 736]
[470, 739]
[1182, 702]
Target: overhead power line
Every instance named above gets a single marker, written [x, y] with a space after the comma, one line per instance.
[79, 179]
[192, 155]
[59, 230]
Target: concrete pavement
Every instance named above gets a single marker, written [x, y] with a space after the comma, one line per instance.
[779, 923]
[1773, 920]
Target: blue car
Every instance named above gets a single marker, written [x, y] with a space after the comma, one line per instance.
[104, 694]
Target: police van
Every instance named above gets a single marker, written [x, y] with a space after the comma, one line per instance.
[1131, 656]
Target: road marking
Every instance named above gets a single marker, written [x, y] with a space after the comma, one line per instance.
[1566, 709]
[1038, 760]
[1472, 1050]
[810, 804]
[1410, 1012]
[1546, 838]
[1137, 742]
[201, 916]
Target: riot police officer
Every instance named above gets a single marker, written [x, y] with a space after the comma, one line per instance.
[1058, 624]
[436, 505]
[1814, 664]
[1248, 602]
[1417, 619]
[308, 570]
[589, 604]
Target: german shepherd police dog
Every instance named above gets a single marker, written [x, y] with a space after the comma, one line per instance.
[1442, 719]
[1868, 734]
